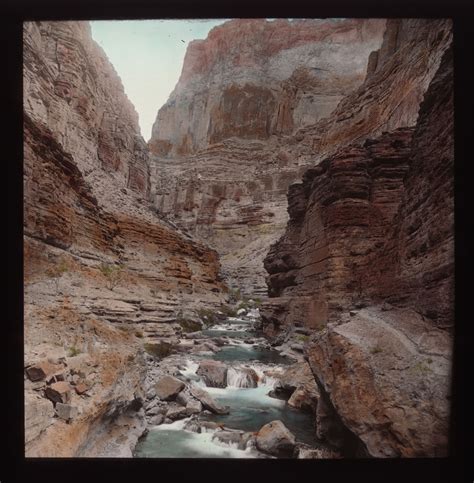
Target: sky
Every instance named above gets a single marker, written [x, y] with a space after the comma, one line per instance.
[148, 56]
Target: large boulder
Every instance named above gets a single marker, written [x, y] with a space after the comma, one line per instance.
[207, 401]
[168, 387]
[214, 373]
[386, 374]
[39, 413]
[276, 439]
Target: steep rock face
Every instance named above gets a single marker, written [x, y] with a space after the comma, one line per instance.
[103, 274]
[232, 193]
[398, 75]
[222, 171]
[252, 78]
[372, 227]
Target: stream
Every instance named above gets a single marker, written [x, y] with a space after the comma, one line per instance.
[249, 407]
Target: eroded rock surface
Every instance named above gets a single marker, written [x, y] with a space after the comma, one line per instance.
[367, 263]
[103, 274]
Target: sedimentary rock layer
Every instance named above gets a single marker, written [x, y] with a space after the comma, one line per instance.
[231, 192]
[371, 228]
[251, 78]
[103, 274]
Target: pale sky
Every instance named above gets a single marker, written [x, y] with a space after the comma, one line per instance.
[148, 56]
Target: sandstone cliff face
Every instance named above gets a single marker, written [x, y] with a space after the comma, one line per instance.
[103, 274]
[367, 262]
[215, 192]
[252, 78]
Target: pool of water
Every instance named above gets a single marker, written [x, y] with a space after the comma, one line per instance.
[251, 408]
[248, 353]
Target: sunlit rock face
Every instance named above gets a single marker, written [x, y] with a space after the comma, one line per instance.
[86, 180]
[252, 78]
[367, 262]
[221, 145]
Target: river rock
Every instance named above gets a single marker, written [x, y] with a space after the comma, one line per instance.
[168, 387]
[59, 392]
[207, 401]
[230, 437]
[300, 399]
[276, 439]
[193, 407]
[156, 420]
[66, 411]
[176, 411]
[214, 373]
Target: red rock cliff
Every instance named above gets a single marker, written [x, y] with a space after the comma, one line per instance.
[103, 274]
[367, 263]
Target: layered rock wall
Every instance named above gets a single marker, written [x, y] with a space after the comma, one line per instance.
[251, 78]
[367, 262]
[232, 193]
[103, 274]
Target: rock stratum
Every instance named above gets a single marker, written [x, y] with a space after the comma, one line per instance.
[103, 274]
[367, 263]
[258, 102]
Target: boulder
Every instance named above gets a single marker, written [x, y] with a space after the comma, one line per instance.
[193, 407]
[66, 411]
[43, 370]
[59, 392]
[230, 438]
[156, 420]
[168, 387]
[214, 373]
[176, 411]
[300, 399]
[207, 401]
[276, 439]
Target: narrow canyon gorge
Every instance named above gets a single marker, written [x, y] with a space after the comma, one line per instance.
[271, 275]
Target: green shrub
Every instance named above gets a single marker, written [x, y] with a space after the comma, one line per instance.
[189, 325]
[73, 351]
[159, 350]
[302, 337]
[112, 273]
[376, 350]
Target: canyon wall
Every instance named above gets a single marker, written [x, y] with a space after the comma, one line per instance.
[222, 171]
[103, 274]
[367, 263]
[251, 78]
[230, 190]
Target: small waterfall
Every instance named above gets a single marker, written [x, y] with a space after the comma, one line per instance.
[241, 377]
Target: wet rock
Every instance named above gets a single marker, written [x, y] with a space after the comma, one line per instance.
[229, 437]
[214, 373]
[207, 401]
[276, 439]
[59, 392]
[66, 411]
[303, 451]
[168, 387]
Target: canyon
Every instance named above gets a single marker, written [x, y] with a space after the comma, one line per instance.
[288, 228]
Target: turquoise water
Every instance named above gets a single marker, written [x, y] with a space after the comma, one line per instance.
[249, 353]
[250, 408]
